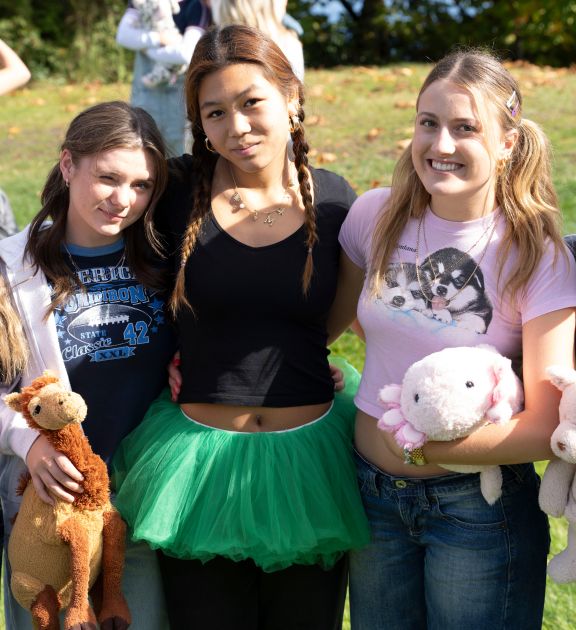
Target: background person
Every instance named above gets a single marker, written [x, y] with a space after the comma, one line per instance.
[13, 74]
[165, 102]
[269, 17]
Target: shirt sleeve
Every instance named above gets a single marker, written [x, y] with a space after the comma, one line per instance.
[552, 285]
[132, 36]
[356, 232]
[181, 54]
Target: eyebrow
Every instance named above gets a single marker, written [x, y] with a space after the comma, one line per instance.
[208, 104]
[465, 119]
[105, 171]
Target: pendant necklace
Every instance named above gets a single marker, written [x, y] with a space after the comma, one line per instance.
[238, 203]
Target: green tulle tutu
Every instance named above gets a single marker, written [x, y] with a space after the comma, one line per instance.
[278, 498]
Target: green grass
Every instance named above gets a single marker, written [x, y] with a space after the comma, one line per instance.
[357, 120]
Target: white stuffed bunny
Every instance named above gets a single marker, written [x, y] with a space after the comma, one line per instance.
[558, 489]
[448, 395]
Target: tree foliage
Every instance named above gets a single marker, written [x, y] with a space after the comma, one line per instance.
[75, 39]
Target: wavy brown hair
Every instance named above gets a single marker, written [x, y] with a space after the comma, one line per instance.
[103, 127]
[524, 189]
[219, 48]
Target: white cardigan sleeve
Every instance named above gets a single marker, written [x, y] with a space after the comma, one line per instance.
[16, 437]
[132, 36]
[181, 54]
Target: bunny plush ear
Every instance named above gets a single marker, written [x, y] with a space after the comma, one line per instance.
[560, 376]
[507, 396]
[390, 395]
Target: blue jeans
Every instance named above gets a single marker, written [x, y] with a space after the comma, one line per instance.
[141, 580]
[442, 558]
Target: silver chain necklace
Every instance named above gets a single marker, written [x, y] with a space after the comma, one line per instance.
[79, 271]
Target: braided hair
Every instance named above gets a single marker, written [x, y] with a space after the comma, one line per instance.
[219, 48]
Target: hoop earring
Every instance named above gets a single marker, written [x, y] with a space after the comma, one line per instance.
[209, 146]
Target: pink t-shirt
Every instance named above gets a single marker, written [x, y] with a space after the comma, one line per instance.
[449, 299]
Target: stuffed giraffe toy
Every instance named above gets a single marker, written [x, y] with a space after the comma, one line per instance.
[57, 551]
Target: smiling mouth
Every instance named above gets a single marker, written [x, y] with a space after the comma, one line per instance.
[444, 166]
[112, 215]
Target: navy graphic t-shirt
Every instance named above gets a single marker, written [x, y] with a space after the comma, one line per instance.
[116, 343]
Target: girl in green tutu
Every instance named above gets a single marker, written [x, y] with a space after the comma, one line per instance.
[247, 485]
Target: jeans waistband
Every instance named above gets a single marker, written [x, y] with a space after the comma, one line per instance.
[437, 483]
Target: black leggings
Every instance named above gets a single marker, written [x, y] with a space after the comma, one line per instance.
[227, 595]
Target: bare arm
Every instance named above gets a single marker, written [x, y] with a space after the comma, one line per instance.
[14, 73]
[343, 310]
[546, 340]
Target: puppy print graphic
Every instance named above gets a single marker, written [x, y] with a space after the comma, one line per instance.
[448, 287]
[453, 284]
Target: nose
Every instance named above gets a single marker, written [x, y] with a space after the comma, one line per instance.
[239, 124]
[444, 143]
[122, 196]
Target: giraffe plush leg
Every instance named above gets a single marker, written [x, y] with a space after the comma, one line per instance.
[79, 615]
[114, 614]
[45, 610]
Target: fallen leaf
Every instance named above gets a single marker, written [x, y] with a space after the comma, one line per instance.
[329, 98]
[403, 144]
[405, 104]
[71, 108]
[375, 183]
[326, 158]
[406, 72]
[314, 120]
[316, 90]
[373, 134]
[39, 102]
[14, 131]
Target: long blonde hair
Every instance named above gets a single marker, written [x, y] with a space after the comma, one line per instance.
[524, 189]
[265, 15]
[13, 344]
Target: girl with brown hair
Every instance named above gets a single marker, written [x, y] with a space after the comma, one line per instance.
[247, 485]
[82, 297]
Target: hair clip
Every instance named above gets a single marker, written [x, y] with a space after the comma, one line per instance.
[513, 103]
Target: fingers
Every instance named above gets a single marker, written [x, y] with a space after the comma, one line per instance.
[338, 378]
[175, 376]
[53, 474]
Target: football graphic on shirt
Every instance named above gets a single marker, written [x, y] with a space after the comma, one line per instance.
[108, 321]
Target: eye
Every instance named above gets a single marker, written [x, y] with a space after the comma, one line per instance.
[251, 102]
[142, 185]
[107, 178]
[215, 114]
[37, 410]
[469, 384]
[416, 398]
[467, 128]
[427, 122]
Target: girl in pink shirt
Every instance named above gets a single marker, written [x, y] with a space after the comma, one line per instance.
[464, 249]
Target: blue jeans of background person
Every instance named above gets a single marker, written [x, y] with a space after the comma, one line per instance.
[141, 581]
[442, 558]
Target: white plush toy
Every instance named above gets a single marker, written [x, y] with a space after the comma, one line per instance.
[448, 395]
[558, 489]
